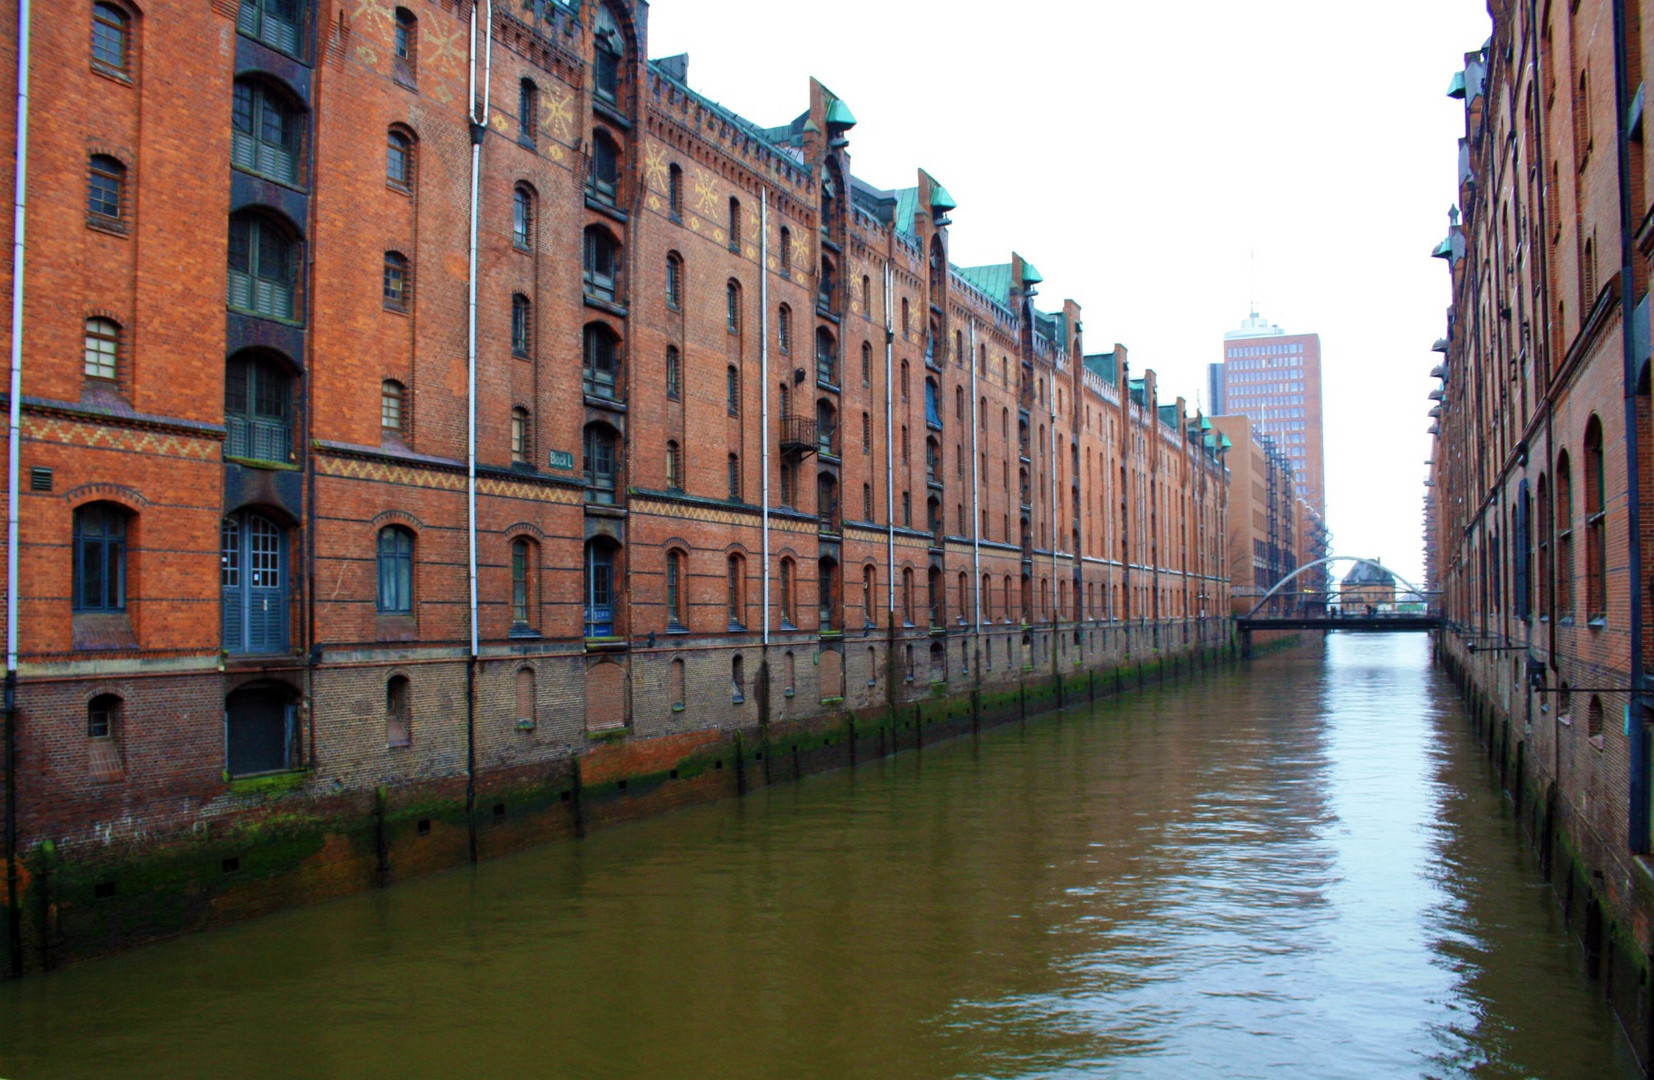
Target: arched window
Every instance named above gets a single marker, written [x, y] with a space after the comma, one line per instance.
[674, 372]
[524, 570]
[257, 409]
[111, 39]
[735, 489]
[105, 189]
[677, 615]
[737, 592]
[827, 509]
[784, 329]
[788, 622]
[866, 363]
[527, 701]
[674, 466]
[522, 217]
[605, 177]
[102, 348]
[732, 381]
[789, 672]
[602, 268]
[263, 267]
[1596, 537]
[869, 594]
[398, 282]
[398, 712]
[826, 285]
[274, 22]
[732, 306]
[1564, 538]
[1593, 719]
[827, 594]
[405, 46]
[99, 569]
[602, 464]
[608, 51]
[907, 596]
[905, 320]
[738, 680]
[959, 403]
[867, 502]
[784, 252]
[866, 433]
[521, 437]
[734, 223]
[674, 280]
[528, 111]
[399, 160]
[1544, 537]
[391, 403]
[602, 361]
[674, 192]
[826, 357]
[521, 325]
[827, 427]
[600, 588]
[395, 571]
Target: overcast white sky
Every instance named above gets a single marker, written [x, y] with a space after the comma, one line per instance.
[1139, 153]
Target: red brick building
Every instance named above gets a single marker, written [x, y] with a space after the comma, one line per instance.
[1540, 468]
[748, 449]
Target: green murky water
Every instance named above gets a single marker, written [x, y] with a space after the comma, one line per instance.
[1298, 869]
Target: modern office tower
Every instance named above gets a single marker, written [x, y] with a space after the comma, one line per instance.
[1275, 378]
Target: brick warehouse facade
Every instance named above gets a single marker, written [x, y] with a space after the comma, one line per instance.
[1537, 532]
[757, 467]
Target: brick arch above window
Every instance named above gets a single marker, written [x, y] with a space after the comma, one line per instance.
[396, 517]
[524, 529]
[131, 499]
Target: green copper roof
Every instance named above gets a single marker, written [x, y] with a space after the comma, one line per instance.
[1030, 276]
[907, 201]
[940, 199]
[1210, 443]
[1444, 250]
[1168, 416]
[839, 113]
[1205, 424]
[993, 280]
[1223, 441]
[1455, 89]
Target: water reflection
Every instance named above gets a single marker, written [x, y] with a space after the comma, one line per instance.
[1297, 870]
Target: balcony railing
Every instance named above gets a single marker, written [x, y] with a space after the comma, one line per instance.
[799, 435]
[260, 440]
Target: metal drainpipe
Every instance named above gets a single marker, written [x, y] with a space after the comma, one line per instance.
[478, 129]
[889, 450]
[976, 491]
[14, 910]
[764, 378]
[1639, 824]
[1051, 512]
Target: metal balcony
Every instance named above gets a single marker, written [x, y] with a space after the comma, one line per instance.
[799, 435]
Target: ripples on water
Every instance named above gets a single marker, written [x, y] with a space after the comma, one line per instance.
[1297, 869]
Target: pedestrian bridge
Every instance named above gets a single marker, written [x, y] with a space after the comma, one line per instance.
[1408, 609]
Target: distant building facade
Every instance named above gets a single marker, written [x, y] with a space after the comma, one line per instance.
[1263, 537]
[1367, 586]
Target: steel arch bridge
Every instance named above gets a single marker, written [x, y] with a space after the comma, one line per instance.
[1428, 619]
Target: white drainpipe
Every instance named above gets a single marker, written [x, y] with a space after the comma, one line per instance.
[889, 447]
[15, 426]
[764, 369]
[976, 487]
[479, 126]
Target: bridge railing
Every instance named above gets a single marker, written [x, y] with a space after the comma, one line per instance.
[1332, 604]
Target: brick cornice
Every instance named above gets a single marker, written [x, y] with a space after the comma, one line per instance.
[117, 417]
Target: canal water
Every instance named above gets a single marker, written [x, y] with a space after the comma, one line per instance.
[1298, 867]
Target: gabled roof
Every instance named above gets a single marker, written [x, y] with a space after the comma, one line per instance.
[1368, 574]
